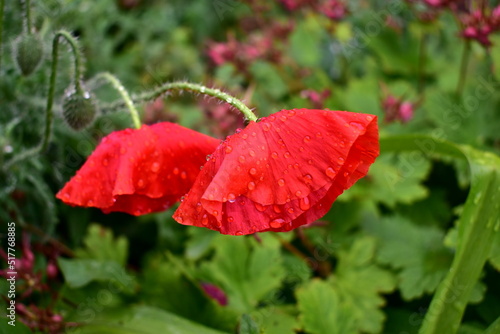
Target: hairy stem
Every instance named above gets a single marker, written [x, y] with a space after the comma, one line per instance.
[27, 25]
[197, 88]
[49, 113]
[124, 94]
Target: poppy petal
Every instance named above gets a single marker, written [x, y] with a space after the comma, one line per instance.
[139, 171]
[282, 172]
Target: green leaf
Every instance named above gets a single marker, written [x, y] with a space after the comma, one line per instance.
[358, 281]
[248, 325]
[244, 269]
[276, 319]
[418, 252]
[143, 320]
[495, 251]
[101, 245]
[305, 42]
[391, 181]
[79, 272]
[321, 310]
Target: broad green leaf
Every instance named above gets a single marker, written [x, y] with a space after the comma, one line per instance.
[417, 251]
[358, 282]
[248, 325]
[101, 245]
[392, 180]
[478, 222]
[495, 251]
[245, 269]
[321, 310]
[305, 42]
[199, 243]
[268, 76]
[143, 320]
[275, 319]
[79, 272]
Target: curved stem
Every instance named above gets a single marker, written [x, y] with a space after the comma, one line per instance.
[463, 68]
[49, 113]
[125, 96]
[186, 86]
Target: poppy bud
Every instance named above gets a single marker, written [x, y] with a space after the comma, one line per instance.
[79, 109]
[28, 53]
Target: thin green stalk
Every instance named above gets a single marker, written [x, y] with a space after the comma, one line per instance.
[463, 68]
[186, 86]
[27, 17]
[477, 226]
[49, 113]
[124, 94]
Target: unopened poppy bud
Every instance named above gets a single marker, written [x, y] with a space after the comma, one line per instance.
[28, 53]
[79, 109]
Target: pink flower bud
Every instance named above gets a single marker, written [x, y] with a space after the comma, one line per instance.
[215, 293]
[406, 112]
[51, 270]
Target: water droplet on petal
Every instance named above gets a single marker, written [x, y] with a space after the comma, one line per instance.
[298, 193]
[241, 159]
[105, 162]
[304, 204]
[301, 149]
[307, 139]
[140, 183]
[251, 153]
[340, 160]
[198, 207]
[208, 157]
[308, 179]
[277, 223]
[330, 172]
[276, 208]
[215, 213]
[204, 220]
[287, 155]
[244, 136]
[319, 135]
[230, 219]
[90, 202]
[231, 197]
[357, 125]
[229, 149]
[176, 171]
[239, 233]
[346, 174]
[283, 118]
[369, 118]
[266, 126]
[290, 210]
[155, 167]
[252, 171]
[310, 162]
[281, 182]
[260, 207]
[183, 175]
[251, 186]
[291, 113]
[275, 155]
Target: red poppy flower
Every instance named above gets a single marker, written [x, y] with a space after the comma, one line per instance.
[140, 171]
[282, 172]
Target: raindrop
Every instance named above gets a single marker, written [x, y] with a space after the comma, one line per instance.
[290, 210]
[251, 153]
[304, 204]
[105, 162]
[66, 196]
[266, 126]
[357, 125]
[229, 149]
[298, 193]
[241, 159]
[231, 197]
[198, 207]
[308, 179]
[330, 172]
[140, 183]
[251, 186]
[260, 207]
[277, 223]
[202, 89]
[369, 118]
[287, 155]
[230, 219]
[254, 134]
[229, 100]
[307, 139]
[204, 220]
[291, 113]
[252, 171]
[342, 143]
[244, 136]
[239, 233]
[319, 135]
[155, 167]
[301, 149]
[274, 155]
[276, 208]
[346, 174]
[183, 175]
[281, 182]
[310, 162]
[283, 118]
[215, 213]
[176, 171]
[90, 202]
[340, 160]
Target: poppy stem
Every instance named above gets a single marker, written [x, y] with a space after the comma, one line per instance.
[49, 113]
[124, 94]
[188, 86]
